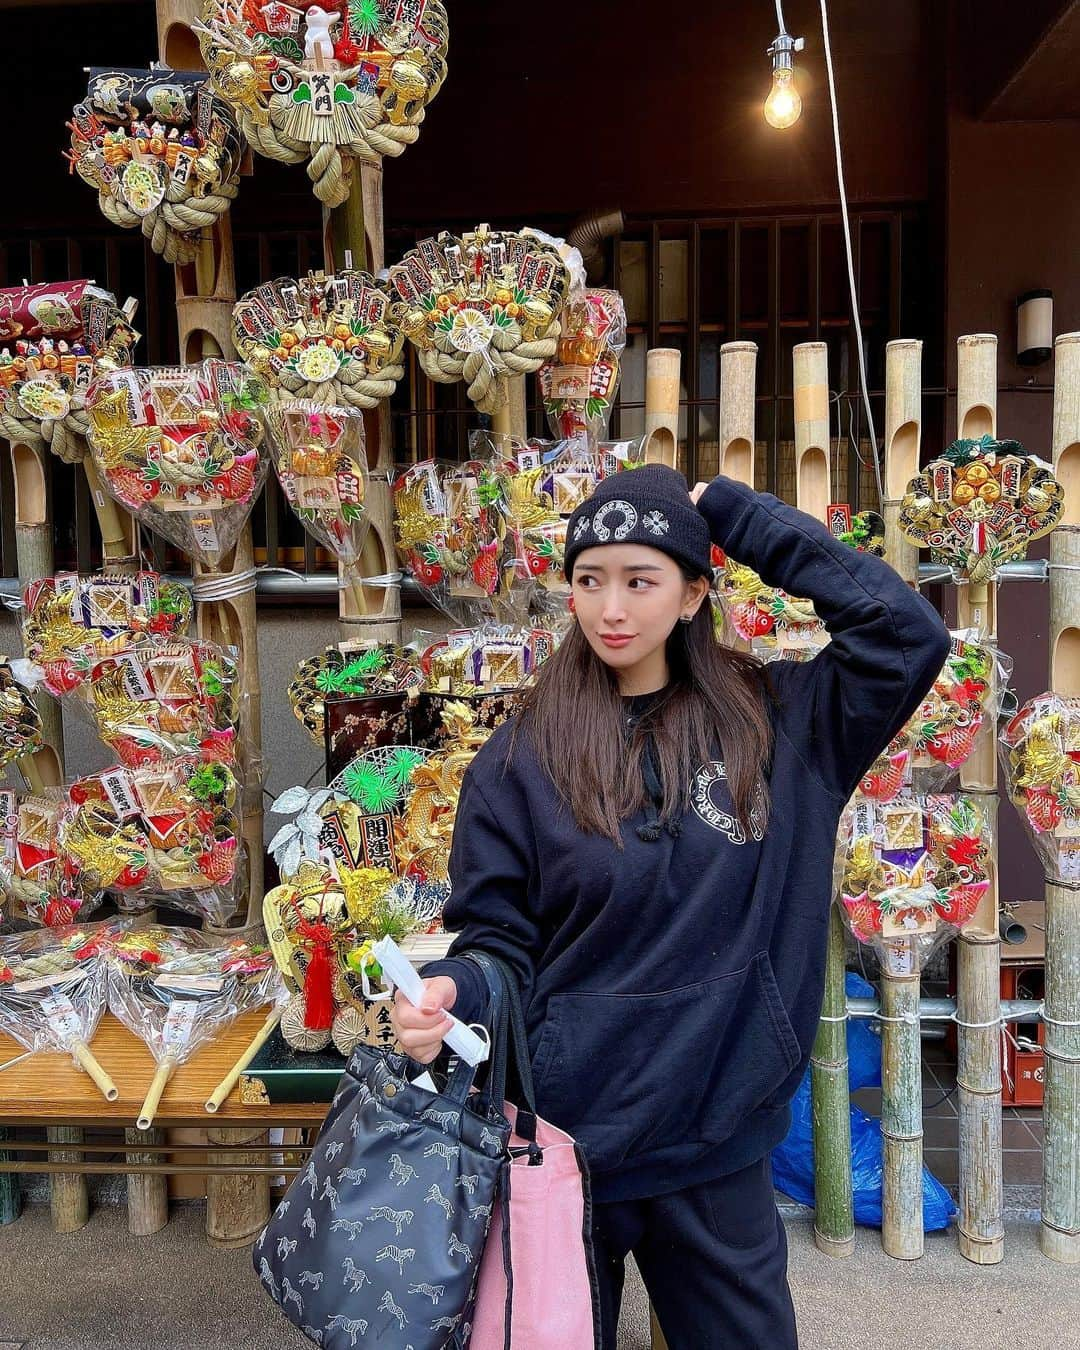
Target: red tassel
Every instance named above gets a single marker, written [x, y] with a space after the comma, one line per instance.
[318, 982]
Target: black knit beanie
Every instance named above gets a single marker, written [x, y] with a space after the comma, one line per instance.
[650, 505]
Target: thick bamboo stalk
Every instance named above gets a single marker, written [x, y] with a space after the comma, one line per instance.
[10, 1191]
[148, 1199]
[901, 1043]
[834, 1214]
[903, 438]
[69, 1201]
[206, 295]
[834, 1224]
[34, 557]
[738, 387]
[980, 1226]
[663, 366]
[355, 232]
[811, 390]
[901, 1118]
[237, 1207]
[1059, 1236]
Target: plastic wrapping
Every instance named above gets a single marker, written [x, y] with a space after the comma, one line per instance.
[793, 1159]
[941, 735]
[321, 464]
[161, 701]
[163, 153]
[1040, 755]
[450, 524]
[167, 832]
[70, 621]
[979, 505]
[911, 872]
[327, 339]
[179, 447]
[484, 660]
[20, 721]
[53, 992]
[580, 383]
[38, 881]
[179, 991]
[368, 671]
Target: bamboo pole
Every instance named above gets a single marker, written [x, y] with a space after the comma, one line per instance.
[372, 613]
[10, 1190]
[34, 558]
[148, 1196]
[903, 440]
[901, 1042]
[834, 1222]
[980, 1226]
[69, 1200]
[205, 296]
[738, 409]
[662, 381]
[217, 1097]
[738, 387]
[1059, 1234]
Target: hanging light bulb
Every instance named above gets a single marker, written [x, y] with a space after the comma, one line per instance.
[783, 107]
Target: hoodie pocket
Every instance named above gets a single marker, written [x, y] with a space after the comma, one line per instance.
[627, 1074]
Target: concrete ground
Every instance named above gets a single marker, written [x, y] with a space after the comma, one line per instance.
[100, 1289]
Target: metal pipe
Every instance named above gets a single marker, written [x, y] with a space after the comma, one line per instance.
[944, 1009]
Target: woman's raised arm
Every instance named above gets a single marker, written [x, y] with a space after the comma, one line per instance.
[887, 643]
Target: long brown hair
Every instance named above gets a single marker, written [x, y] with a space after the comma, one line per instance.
[714, 702]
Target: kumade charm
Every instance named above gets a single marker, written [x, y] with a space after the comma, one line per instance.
[330, 339]
[979, 505]
[162, 150]
[328, 83]
[482, 307]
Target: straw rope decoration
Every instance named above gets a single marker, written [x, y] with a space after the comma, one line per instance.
[349, 80]
[330, 339]
[482, 308]
[163, 152]
[53, 340]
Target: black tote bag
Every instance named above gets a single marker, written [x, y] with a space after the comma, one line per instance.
[379, 1239]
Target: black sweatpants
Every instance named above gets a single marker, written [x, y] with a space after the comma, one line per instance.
[713, 1258]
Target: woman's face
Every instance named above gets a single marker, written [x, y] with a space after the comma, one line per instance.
[627, 599]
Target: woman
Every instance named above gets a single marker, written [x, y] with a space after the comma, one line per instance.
[650, 845]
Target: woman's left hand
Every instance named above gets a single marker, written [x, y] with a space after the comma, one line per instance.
[698, 489]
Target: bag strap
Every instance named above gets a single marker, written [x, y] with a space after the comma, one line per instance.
[511, 1048]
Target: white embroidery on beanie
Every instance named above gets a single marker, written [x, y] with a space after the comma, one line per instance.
[603, 531]
[581, 529]
[656, 522]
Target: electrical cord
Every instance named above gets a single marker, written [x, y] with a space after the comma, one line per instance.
[847, 244]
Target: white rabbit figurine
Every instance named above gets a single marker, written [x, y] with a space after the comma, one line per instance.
[317, 41]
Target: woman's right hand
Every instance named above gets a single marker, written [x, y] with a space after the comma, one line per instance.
[420, 1031]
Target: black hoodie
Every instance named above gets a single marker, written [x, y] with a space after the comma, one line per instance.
[672, 988]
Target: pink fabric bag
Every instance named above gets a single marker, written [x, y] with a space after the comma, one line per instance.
[548, 1302]
[537, 1287]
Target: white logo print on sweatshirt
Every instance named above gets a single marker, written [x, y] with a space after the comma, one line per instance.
[703, 797]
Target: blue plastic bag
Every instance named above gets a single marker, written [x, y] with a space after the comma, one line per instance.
[793, 1160]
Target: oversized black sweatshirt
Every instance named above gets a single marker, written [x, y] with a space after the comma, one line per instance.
[672, 988]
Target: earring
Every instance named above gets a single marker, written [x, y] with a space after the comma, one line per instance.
[686, 618]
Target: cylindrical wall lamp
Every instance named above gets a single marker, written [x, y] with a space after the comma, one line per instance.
[1034, 327]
